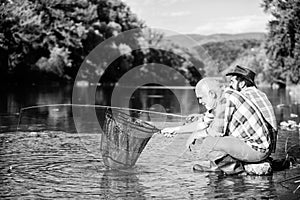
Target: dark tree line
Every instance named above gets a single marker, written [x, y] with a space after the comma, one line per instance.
[55, 36]
[41, 39]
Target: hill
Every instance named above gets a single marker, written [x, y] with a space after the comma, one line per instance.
[192, 40]
[222, 51]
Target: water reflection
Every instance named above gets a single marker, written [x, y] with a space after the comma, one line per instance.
[180, 101]
[225, 187]
[46, 117]
[120, 184]
[15, 97]
[174, 100]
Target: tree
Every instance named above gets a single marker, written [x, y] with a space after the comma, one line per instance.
[282, 45]
[154, 53]
[255, 59]
[55, 36]
[183, 60]
[224, 53]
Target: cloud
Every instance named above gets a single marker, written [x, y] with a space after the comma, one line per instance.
[163, 3]
[240, 24]
[177, 14]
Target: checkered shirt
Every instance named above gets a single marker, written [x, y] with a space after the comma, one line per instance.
[243, 120]
[262, 102]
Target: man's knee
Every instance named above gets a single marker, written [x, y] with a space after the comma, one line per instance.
[215, 155]
[210, 141]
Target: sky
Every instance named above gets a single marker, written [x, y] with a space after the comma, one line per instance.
[203, 17]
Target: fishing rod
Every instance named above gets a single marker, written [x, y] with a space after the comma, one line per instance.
[102, 106]
[97, 106]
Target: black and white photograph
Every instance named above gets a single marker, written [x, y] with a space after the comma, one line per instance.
[150, 99]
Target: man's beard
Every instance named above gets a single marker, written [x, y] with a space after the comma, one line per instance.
[237, 88]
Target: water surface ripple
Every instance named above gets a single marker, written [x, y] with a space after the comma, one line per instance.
[56, 164]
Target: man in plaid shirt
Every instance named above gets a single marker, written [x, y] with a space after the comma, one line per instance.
[244, 121]
[245, 130]
[242, 80]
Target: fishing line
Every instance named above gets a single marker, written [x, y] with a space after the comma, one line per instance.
[101, 106]
[22, 110]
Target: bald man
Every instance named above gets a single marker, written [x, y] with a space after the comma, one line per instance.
[237, 133]
[209, 92]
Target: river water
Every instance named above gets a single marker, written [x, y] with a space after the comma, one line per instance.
[45, 154]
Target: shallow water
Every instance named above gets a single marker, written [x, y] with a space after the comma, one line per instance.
[55, 164]
[44, 156]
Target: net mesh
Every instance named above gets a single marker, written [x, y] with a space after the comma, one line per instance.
[124, 138]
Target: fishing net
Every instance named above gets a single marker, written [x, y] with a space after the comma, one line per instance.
[117, 137]
[124, 138]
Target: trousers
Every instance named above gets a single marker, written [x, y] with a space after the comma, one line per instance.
[228, 153]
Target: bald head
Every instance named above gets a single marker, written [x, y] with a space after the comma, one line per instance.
[208, 91]
[208, 84]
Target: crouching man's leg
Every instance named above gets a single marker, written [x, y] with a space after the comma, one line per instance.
[227, 153]
[235, 147]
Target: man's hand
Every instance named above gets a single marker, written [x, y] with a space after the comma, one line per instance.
[169, 132]
[193, 117]
[194, 136]
[208, 118]
[201, 126]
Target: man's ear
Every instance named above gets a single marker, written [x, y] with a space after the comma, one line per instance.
[212, 94]
[242, 84]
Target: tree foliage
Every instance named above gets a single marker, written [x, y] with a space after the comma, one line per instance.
[155, 52]
[224, 54]
[255, 59]
[282, 45]
[54, 37]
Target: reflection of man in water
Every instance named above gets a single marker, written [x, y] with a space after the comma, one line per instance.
[239, 131]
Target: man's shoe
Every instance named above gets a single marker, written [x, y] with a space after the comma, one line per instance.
[200, 168]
